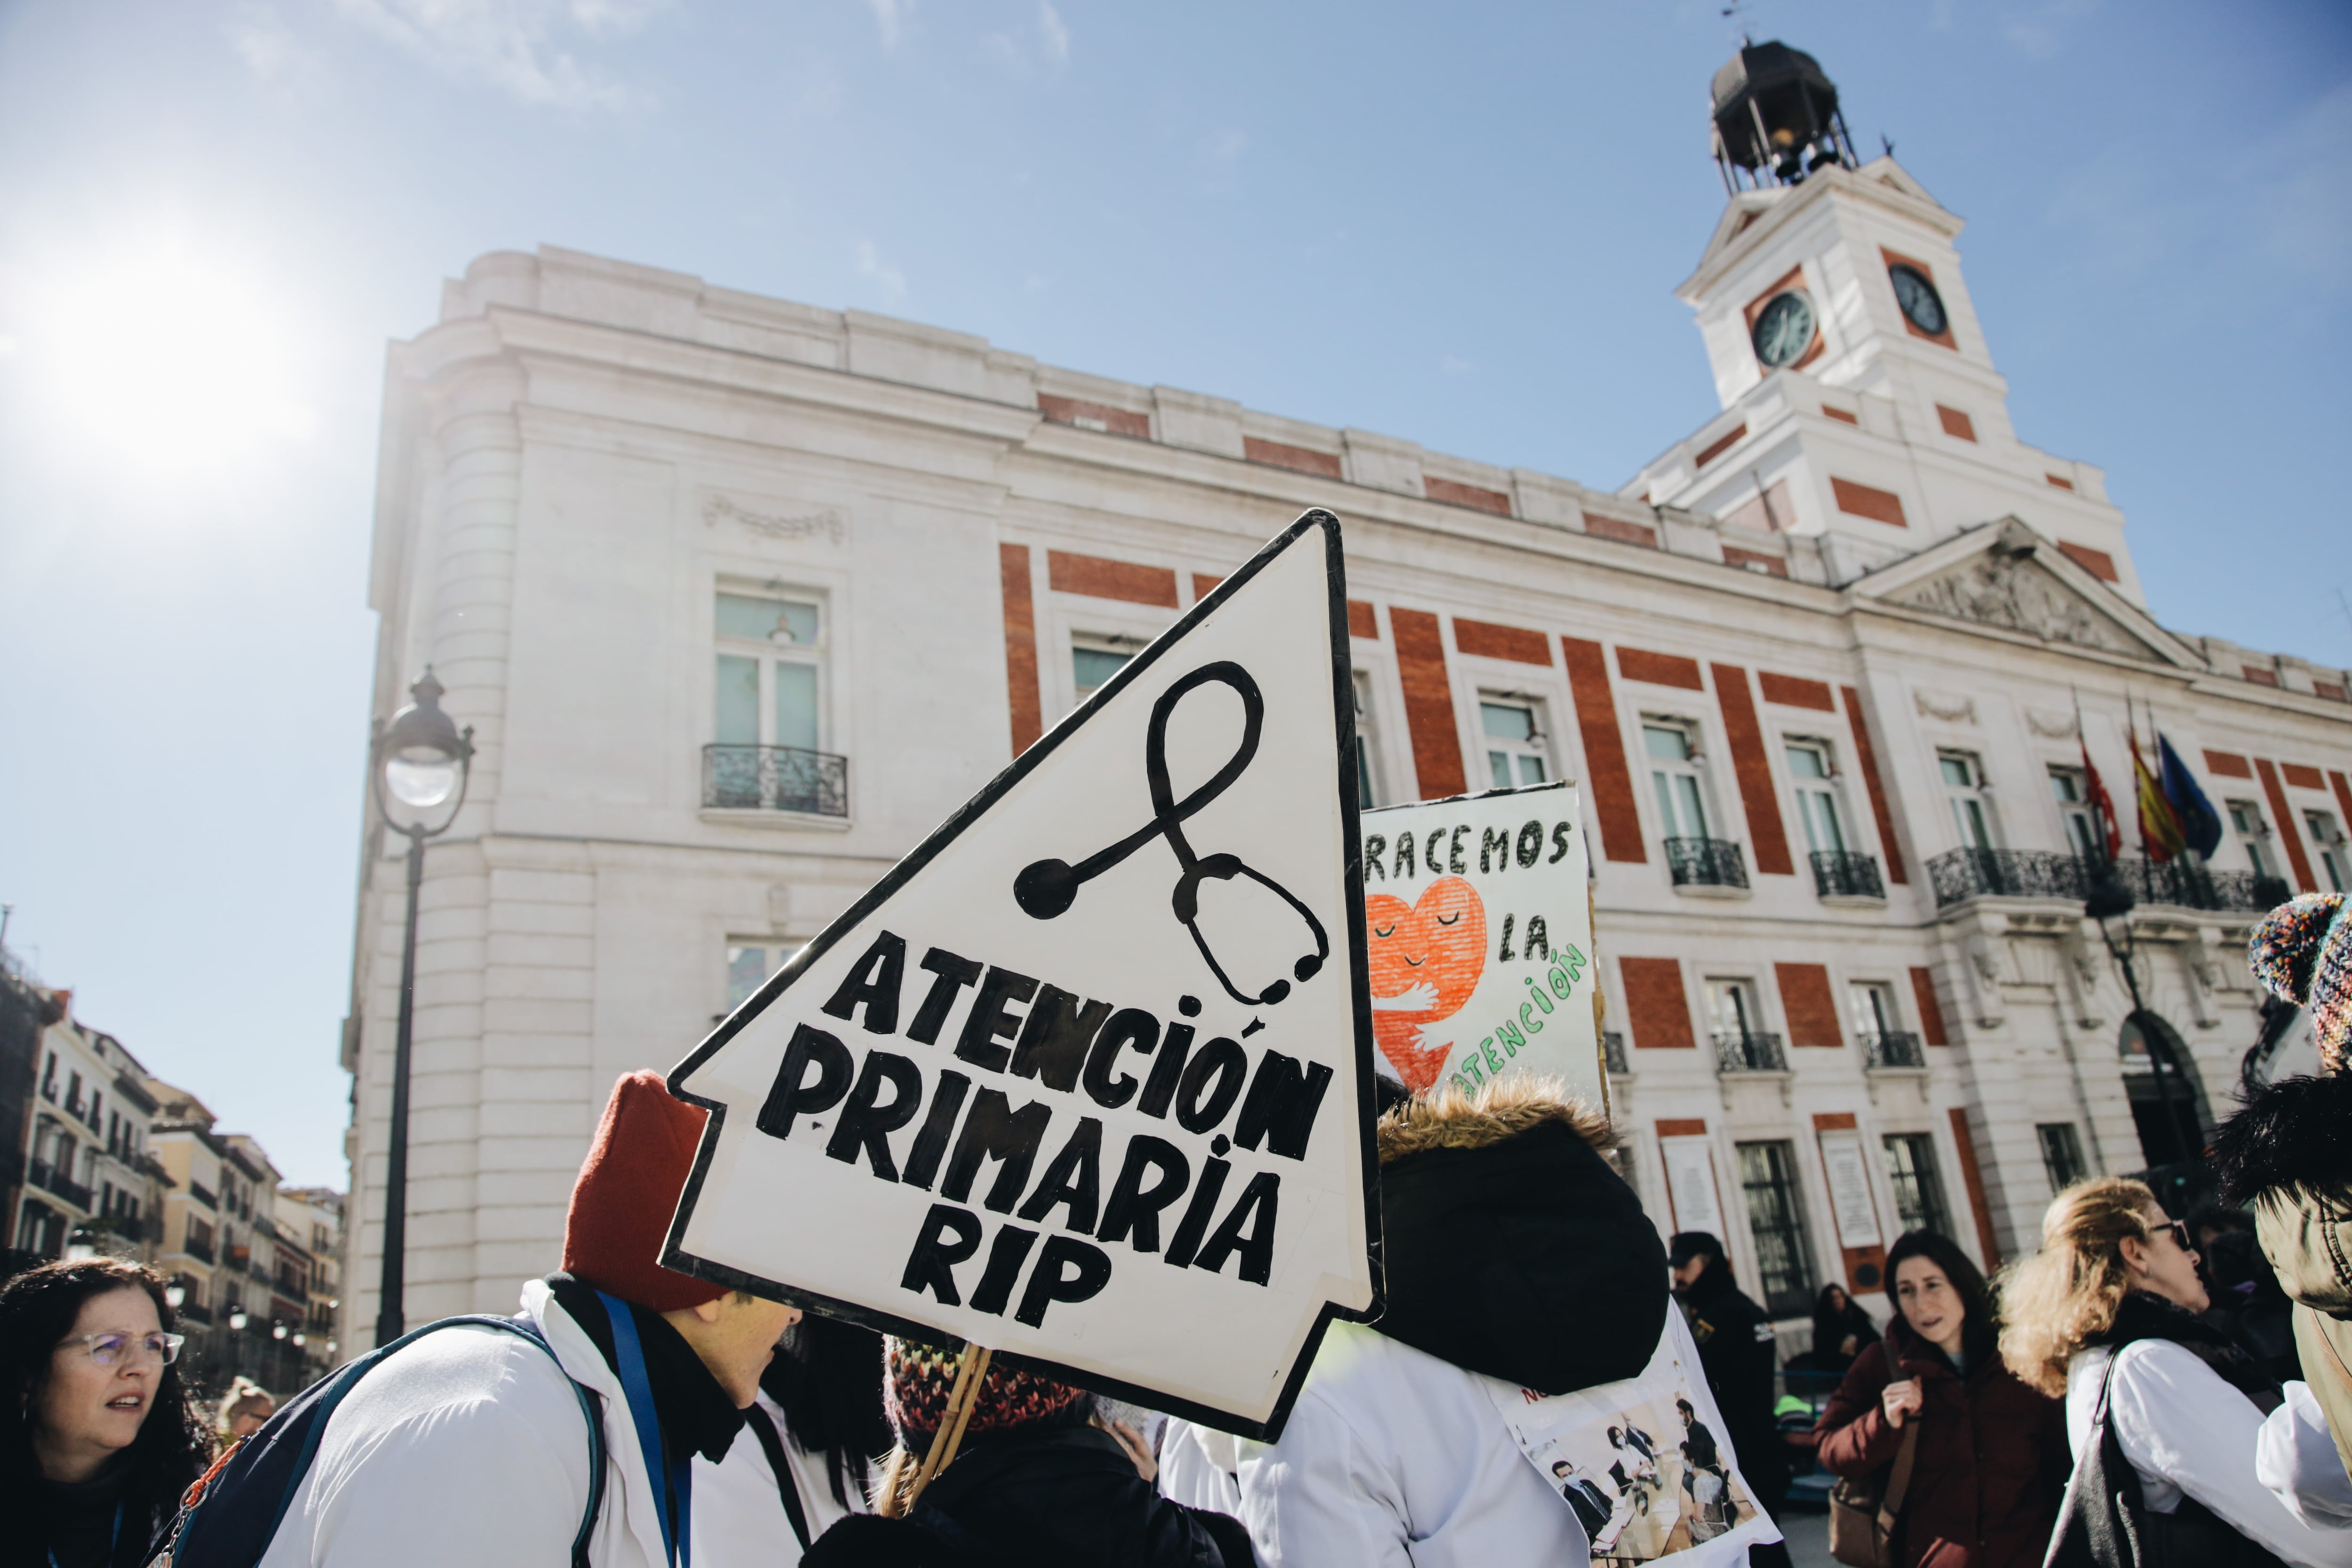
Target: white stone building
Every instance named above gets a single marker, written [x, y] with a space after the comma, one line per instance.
[89, 1173]
[744, 597]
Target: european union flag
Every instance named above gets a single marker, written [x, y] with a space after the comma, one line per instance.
[2200, 824]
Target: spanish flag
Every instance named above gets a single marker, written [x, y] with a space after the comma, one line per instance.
[2159, 825]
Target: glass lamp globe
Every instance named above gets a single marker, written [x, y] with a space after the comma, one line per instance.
[236, 1321]
[298, 1342]
[176, 1296]
[420, 777]
[276, 1330]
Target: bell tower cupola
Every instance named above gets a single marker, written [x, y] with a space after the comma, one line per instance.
[1776, 119]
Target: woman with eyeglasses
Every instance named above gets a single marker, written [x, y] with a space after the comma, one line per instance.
[2105, 1315]
[98, 1441]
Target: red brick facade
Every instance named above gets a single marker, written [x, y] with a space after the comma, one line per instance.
[1609, 783]
[1765, 830]
[1654, 1003]
[1428, 702]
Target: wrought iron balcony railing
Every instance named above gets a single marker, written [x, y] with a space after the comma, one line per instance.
[51, 1180]
[1894, 1049]
[1613, 1051]
[1961, 874]
[1705, 863]
[1738, 1052]
[1846, 874]
[776, 778]
[201, 1251]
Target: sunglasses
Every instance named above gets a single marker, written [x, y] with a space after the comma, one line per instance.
[2179, 1231]
[118, 1348]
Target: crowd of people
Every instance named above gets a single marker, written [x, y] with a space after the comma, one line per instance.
[2135, 1391]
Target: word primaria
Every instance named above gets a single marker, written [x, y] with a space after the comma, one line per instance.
[1567, 969]
[1446, 849]
[1064, 1044]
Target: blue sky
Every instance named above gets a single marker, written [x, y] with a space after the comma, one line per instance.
[1457, 224]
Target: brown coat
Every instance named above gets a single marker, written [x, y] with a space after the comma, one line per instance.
[1992, 1459]
[2306, 1232]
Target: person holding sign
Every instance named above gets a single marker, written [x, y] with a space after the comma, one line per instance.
[1516, 1260]
[1037, 1478]
[471, 1444]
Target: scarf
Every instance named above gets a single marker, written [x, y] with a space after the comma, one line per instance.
[2146, 1316]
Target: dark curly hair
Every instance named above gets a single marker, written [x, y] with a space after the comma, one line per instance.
[1980, 1328]
[37, 1309]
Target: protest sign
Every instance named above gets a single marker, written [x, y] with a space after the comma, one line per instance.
[1085, 1079]
[1644, 1463]
[1479, 925]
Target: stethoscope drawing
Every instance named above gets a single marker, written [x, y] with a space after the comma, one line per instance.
[1046, 889]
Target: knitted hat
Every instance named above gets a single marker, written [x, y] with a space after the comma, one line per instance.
[627, 1193]
[2302, 953]
[917, 1378]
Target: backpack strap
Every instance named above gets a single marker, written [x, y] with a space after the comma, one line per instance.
[787, 1489]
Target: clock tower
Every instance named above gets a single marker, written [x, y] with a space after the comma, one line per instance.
[1861, 407]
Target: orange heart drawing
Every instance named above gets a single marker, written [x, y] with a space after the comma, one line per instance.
[1436, 947]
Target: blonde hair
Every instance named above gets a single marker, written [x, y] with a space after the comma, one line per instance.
[242, 1395]
[2066, 1295]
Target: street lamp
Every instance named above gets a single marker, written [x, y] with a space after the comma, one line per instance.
[422, 761]
[2110, 899]
[82, 1244]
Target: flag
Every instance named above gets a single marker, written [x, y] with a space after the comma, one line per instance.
[2200, 824]
[2159, 827]
[2109, 832]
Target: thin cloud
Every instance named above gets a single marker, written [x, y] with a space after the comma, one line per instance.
[269, 48]
[890, 16]
[517, 45]
[889, 278]
[1054, 32]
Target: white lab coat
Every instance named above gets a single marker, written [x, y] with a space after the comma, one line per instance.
[470, 1446]
[739, 1516]
[1393, 1458]
[2183, 1430]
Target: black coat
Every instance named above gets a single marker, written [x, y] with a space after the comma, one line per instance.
[1040, 1497]
[1736, 1350]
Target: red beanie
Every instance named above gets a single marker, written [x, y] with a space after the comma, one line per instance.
[627, 1193]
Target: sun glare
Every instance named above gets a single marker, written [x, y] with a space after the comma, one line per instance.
[168, 359]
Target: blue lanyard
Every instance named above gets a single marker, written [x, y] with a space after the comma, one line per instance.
[674, 1502]
[112, 1542]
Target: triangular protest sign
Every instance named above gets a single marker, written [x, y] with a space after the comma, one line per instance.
[1087, 1077]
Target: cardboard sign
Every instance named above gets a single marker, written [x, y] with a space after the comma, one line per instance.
[1645, 1464]
[1479, 932]
[1087, 1077]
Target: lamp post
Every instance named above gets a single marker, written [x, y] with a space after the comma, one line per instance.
[2109, 900]
[235, 1347]
[422, 761]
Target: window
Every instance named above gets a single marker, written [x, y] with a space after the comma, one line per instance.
[2075, 811]
[1094, 659]
[1740, 1043]
[1767, 1176]
[1919, 1186]
[1674, 763]
[1964, 784]
[1515, 743]
[2062, 1154]
[1731, 1007]
[1367, 795]
[49, 1079]
[2246, 821]
[2328, 839]
[1808, 766]
[73, 1093]
[1873, 1008]
[749, 966]
[771, 654]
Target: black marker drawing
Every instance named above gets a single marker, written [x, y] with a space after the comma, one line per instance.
[1046, 889]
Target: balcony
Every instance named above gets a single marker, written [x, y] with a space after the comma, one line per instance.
[1705, 863]
[1846, 874]
[1961, 874]
[1738, 1052]
[203, 1195]
[49, 1179]
[1895, 1049]
[201, 1251]
[776, 778]
[1612, 1052]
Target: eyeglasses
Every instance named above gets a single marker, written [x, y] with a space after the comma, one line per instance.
[117, 1349]
[2180, 1233]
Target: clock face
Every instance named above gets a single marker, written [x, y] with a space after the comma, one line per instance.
[1922, 306]
[1784, 330]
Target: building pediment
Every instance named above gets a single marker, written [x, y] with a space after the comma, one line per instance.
[2007, 576]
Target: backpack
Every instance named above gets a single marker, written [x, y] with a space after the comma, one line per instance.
[232, 1514]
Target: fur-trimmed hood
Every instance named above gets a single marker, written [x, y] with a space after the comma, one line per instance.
[1511, 1246]
[2294, 1132]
